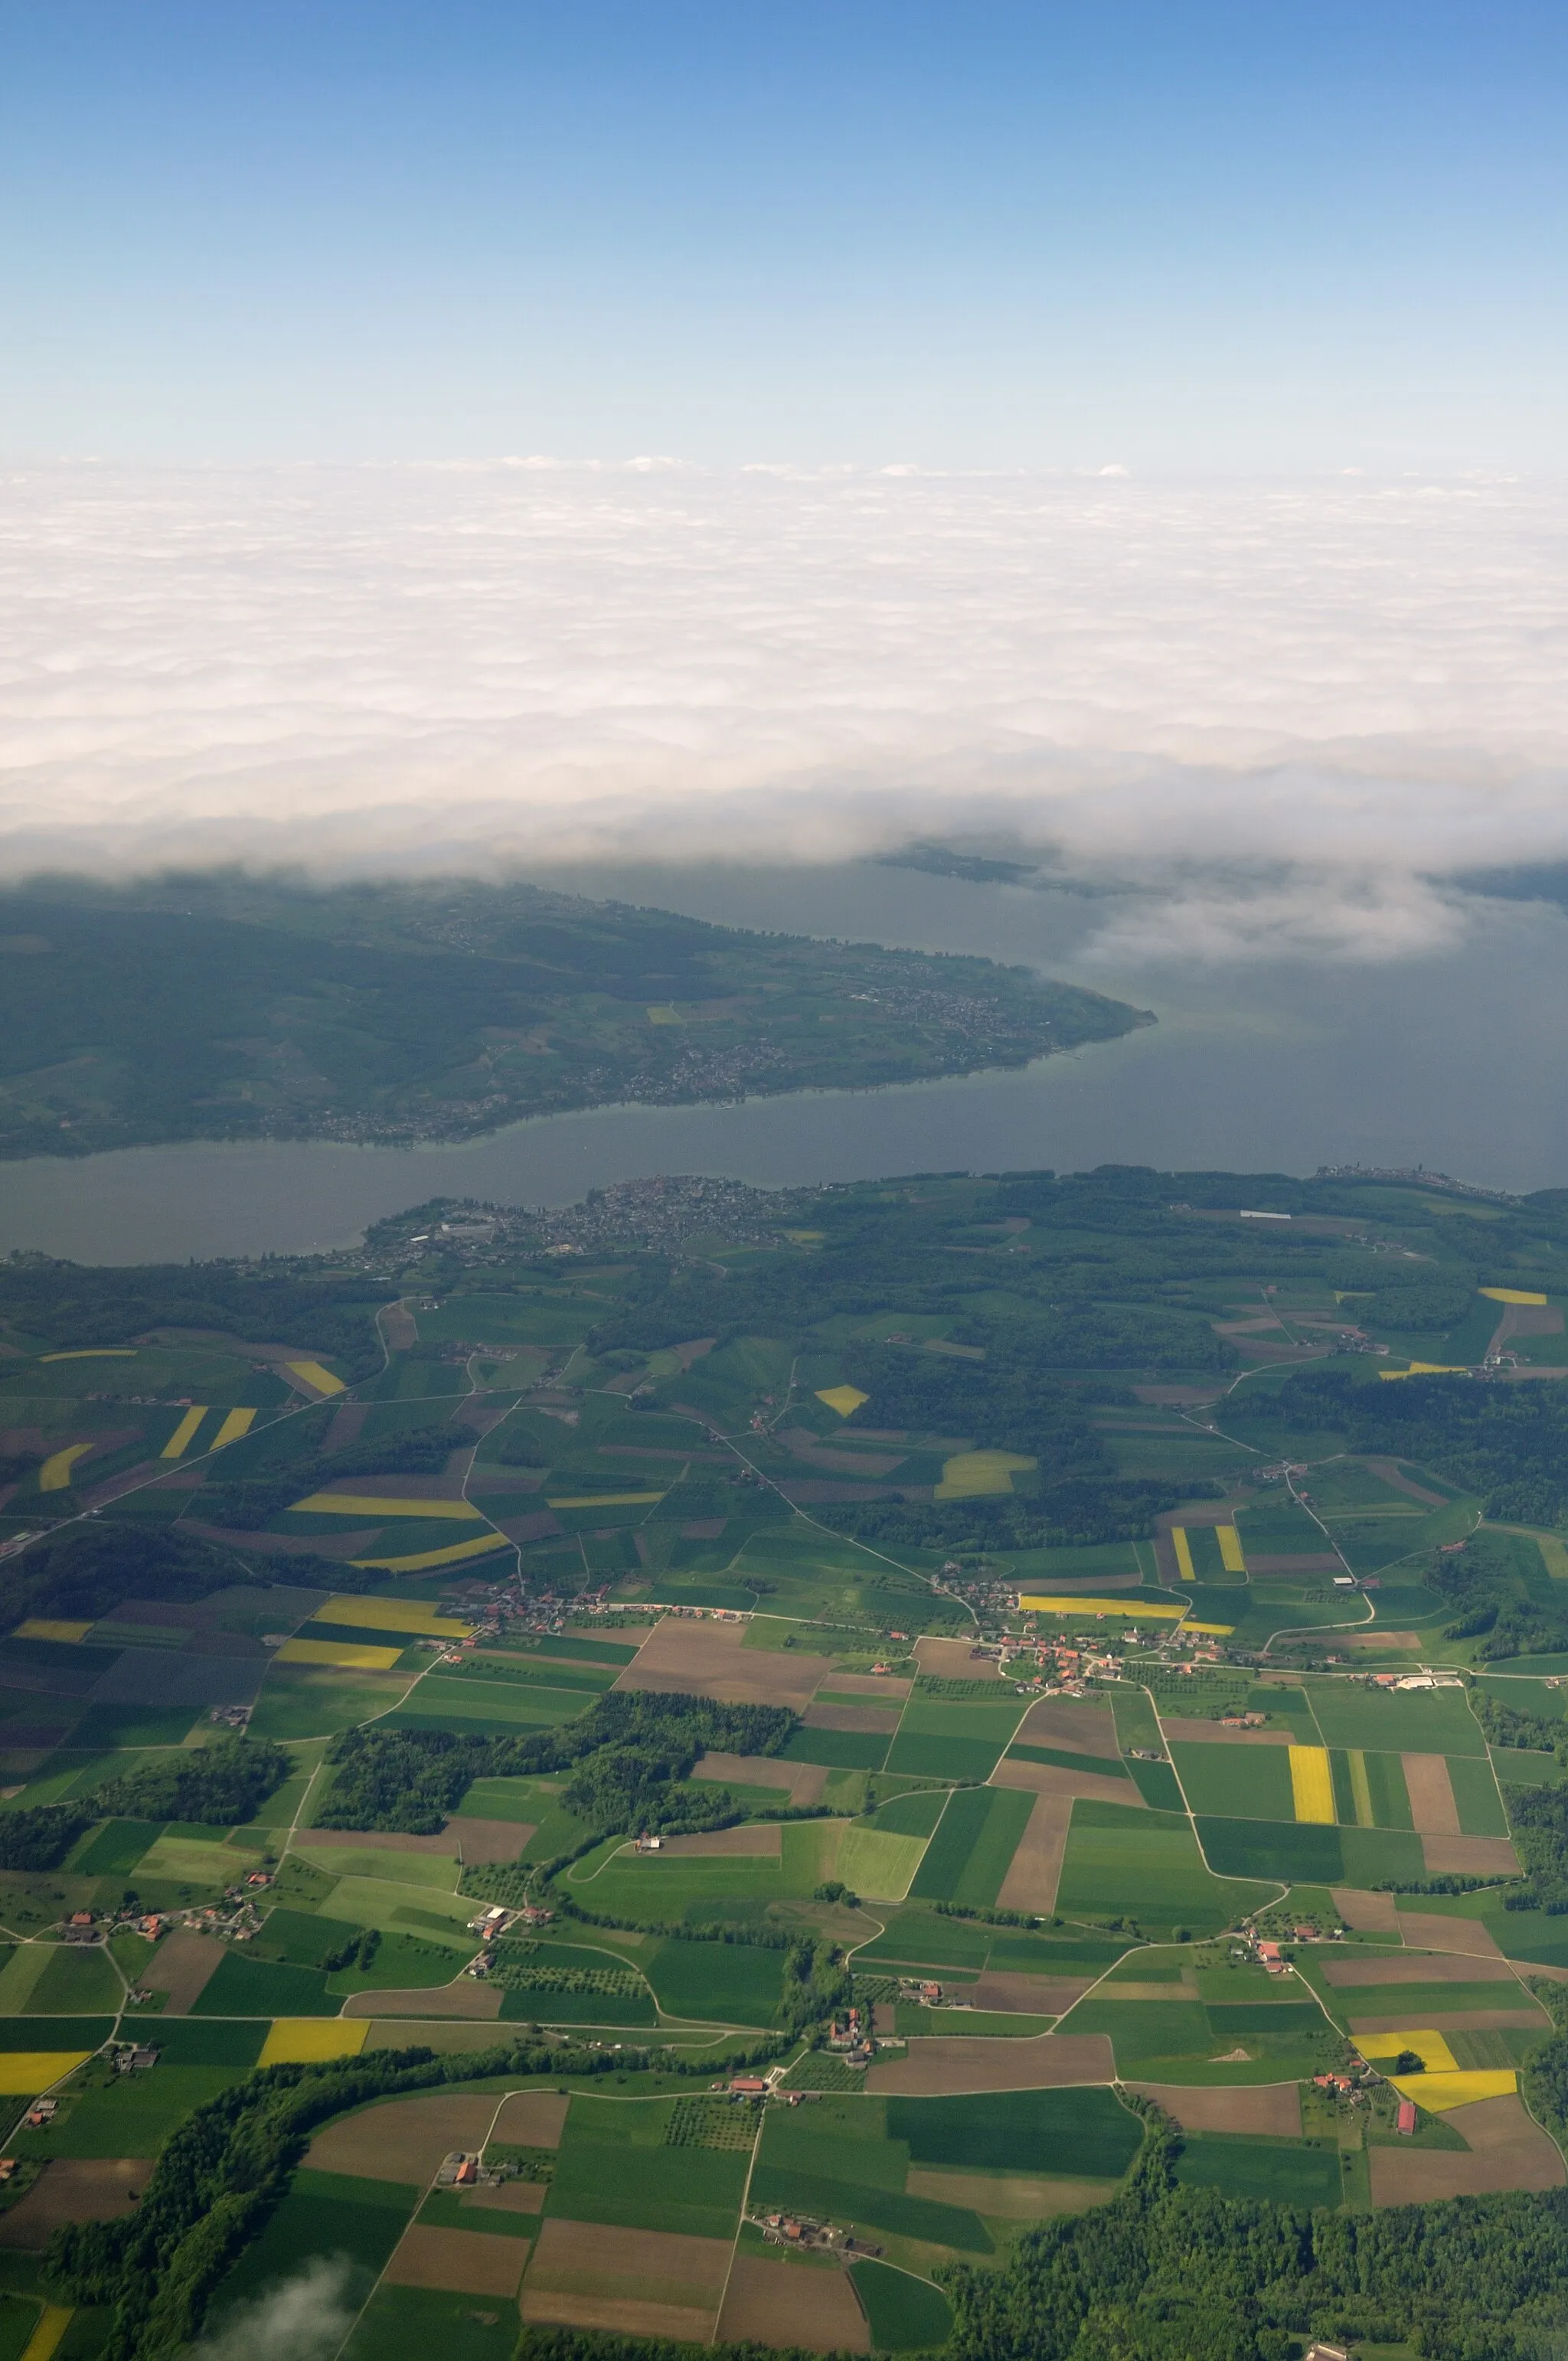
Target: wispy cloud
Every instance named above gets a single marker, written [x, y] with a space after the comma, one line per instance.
[306, 2318]
[1290, 707]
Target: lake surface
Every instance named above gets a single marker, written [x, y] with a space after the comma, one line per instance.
[1459, 1063]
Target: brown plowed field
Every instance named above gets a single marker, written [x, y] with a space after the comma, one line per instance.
[872, 1685]
[1507, 2151]
[372, 1840]
[1455, 2020]
[1346, 1973]
[181, 1967]
[404, 2033]
[1466, 1935]
[1034, 1870]
[473, 2001]
[1433, 1808]
[1273, 2108]
[950, 1660]
[404, 2139]
[1369, 1914]
[791, 2302]
[868, 1717]
[616, 2315]
[511, 2196]
[937, 2064]
[708, 1660]
[1469, 1856]
[639, 2282]
[1079, 1726]
[532, 2119]
[1027, 1995]
[1207, 1734]
[70, 2189]
[465, 2261]
[745, 1770]
[1045, 1779]
[487, 1840]
[767, 1838]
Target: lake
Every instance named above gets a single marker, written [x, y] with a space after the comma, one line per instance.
[1456, 1062]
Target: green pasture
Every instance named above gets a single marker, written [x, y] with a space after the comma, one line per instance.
[727, 1983]
[402, 2324]
[615, 2166]
[249, 1987]
[1085, 2132]
[1281, 2171]
[76, 1983]
[967, 1859]
[298, 1701]
[904, 2314]
[129, 2114]
[1243, 1781]
[669, 1886]
[1395, 1721]
[1146, 1866]
[913, 1814]
[326, 2214]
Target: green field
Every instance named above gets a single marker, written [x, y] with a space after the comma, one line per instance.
[1285, 2172]
[903, 2313]
[243, 1987]
[733, 1983]
[967, 1857]
[130, 2115]
[1419, 1721]
[1146, 1866]
[616, 2165]
[1077, 2132]
[401, 2324]
[326, 2214]
[1243, 1781]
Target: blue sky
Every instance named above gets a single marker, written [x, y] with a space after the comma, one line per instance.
[1249, 238]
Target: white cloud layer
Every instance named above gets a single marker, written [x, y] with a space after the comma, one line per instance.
[1288, 707]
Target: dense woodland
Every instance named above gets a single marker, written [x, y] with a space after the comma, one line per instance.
[625, 1753]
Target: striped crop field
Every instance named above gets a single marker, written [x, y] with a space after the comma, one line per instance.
[1311, 1783]
[373, 1504]
[423, 1559]
[184, 1435]
[411, 1615]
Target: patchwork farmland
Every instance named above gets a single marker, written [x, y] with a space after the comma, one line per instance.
[720, 1850]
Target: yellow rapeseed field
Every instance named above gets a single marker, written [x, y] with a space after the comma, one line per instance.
[308, 2040]
[1311, 1784]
